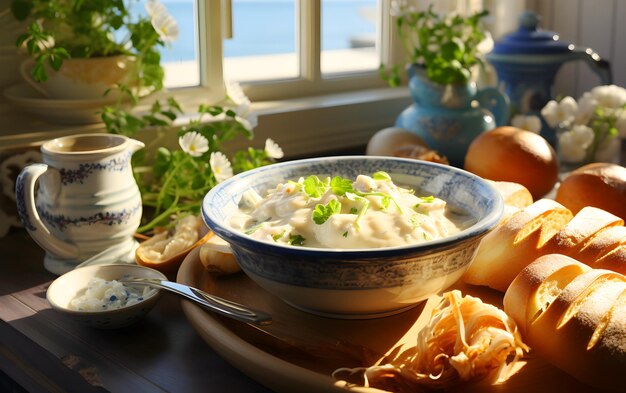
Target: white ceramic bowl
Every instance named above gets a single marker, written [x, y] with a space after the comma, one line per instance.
[359, 283]
[73, 283]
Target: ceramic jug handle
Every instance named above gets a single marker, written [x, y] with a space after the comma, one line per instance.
[601, 67]
[27, 211]
[497, 103]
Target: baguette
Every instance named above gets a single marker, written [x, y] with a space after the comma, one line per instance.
[570, 239]
[574, 317]
[593, 236]
[514, 243]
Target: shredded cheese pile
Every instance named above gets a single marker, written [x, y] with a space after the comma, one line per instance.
[465, 340]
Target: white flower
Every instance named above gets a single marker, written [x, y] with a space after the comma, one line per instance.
[609, 96]
[556, 113]
[486, 45]
[272, 149]
[572, 145]
[154, 8]
[529, 123]
[609, 150]
[193, 144]
[586, 107]
[166, 26]
[220, 166]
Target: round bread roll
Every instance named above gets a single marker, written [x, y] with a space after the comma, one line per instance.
[388, 141]
[599, 184]
[515, 155]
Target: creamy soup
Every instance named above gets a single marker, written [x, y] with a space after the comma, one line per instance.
[340, 213]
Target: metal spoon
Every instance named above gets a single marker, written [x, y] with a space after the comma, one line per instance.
[206, 300]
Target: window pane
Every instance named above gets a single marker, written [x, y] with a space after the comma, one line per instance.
[263, 46]
[349, 36]
[180, 59]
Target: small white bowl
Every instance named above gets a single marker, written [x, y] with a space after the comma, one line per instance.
[73, 283]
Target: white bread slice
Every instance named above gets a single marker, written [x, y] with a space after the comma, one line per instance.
[572, 332]
[514, 243]
[602, 243]
[537, 285]
[585, 224]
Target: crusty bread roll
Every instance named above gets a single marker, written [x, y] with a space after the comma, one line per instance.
[601, 185]
[574, 317]
[601, 244]
[593, 236]
[515, 196]
[570, 239]
[515, 155]
[514, 243]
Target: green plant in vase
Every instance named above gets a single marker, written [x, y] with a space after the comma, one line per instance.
[444, 52]
[446, 46]
[95, 45]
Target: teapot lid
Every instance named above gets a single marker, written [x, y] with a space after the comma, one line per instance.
[529, 39]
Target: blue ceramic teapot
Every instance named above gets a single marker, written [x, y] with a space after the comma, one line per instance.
[449, 117]
[528, 60]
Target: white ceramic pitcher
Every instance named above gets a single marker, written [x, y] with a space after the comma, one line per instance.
[87, 198]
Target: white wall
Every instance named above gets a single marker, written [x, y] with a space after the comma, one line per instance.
[597, 24]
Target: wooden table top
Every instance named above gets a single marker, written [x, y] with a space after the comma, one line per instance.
[41, 350]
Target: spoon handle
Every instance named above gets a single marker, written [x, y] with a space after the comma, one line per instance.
[211, 302]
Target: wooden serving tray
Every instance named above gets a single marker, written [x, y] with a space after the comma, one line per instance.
[299, 351]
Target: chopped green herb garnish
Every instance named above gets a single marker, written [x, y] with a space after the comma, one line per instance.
[380, 175]
[296, 240]
[354, 210]
[345, 234]
[415, 221]
[428, 199]
[254, 228]
[323, 212]
[426, 237]
[314, 187]
[277, 236]
[384, 202]
[341, 185]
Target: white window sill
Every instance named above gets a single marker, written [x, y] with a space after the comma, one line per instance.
[302, 127]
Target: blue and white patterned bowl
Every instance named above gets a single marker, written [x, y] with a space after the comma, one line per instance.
[359, 283]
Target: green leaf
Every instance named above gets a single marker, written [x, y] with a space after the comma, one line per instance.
[314, 187]
[380, 175]
[340, 185]
[296, 240]
[321, 213]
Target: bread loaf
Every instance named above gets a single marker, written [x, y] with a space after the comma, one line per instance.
[602, 185]
[574, 317]
[593, 236]
[514, 243]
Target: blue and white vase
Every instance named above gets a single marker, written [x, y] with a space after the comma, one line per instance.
[450, 117]
[87, 200]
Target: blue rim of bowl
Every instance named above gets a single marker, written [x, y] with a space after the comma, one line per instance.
[477, 230]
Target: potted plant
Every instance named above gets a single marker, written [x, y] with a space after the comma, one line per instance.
[444, 51]
[82, 49]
